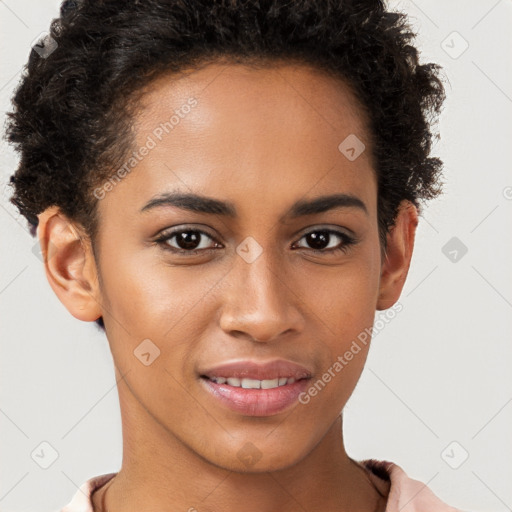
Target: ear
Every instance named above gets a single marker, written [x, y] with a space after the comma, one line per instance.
[400, 244]
[69, 264]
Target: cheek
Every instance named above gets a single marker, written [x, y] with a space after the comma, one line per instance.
[343, 298]
[157, 309]
[343, 341]
[149, 297]
[343, 303]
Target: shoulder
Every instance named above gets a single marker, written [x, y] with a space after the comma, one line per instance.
[81, 501]
[404, 493]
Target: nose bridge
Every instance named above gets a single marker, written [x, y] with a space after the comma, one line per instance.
[259, 301]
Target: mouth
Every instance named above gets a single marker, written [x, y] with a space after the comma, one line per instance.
[254, 397]
[247, 383]
[254, 387]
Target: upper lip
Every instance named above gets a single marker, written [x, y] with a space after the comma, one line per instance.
[277, 368]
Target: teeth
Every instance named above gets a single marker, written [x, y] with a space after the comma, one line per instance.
[254, 383]
[251, 383]
[269, 384]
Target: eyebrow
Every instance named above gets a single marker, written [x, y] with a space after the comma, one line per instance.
[209, 205]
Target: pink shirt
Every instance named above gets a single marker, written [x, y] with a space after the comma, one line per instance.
[404, 494]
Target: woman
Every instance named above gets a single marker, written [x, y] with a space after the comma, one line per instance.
[230, 190]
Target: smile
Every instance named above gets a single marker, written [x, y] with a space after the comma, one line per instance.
[251, 397]
[253, 383]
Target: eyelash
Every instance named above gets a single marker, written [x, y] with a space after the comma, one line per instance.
[347, 241]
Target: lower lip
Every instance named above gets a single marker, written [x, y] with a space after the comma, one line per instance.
[256, 402]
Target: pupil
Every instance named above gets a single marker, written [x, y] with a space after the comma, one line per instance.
[318, 240]
[188, 240]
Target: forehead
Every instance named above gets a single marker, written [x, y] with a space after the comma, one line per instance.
[229, 128]
[278, 97]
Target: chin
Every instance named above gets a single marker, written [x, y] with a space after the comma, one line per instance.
[251, 459]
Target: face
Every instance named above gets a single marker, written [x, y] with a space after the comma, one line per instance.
[250, 272]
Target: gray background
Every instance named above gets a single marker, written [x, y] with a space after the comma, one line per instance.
[437, 384]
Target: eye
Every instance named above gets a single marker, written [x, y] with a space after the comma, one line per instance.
[186, 241]
[328, 241]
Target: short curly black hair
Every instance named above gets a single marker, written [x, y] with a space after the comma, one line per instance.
[73, 109]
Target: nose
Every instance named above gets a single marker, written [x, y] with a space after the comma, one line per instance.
[259, 301]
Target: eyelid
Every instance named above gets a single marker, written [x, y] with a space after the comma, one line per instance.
[168, 233]
[347, 240]
[328, 227]
[347, 235]
[302, 232]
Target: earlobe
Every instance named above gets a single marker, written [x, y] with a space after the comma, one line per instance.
[400, 244]
[69, 264]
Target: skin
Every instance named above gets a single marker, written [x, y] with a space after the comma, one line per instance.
[201, 310]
